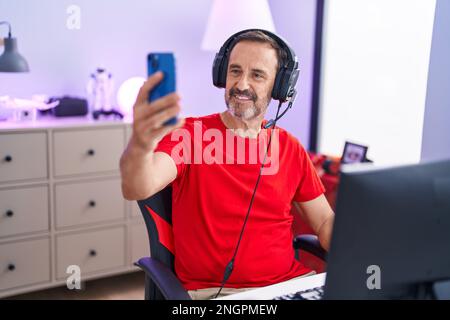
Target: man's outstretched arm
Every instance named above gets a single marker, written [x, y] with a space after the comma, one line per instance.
[143, 171]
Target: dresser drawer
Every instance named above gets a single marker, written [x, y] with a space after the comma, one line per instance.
[87, 151]
[88, 202]
[23, 156]
[24, 263]
[92, 251]
[139, 242]
[23, 210]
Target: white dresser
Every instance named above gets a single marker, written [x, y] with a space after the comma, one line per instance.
[61, 204]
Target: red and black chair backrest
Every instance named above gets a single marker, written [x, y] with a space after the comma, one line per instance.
[157, 213]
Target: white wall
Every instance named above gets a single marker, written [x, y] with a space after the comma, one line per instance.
[374, 77]
[436, 129]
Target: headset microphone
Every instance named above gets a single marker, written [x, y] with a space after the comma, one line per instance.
[291, 101]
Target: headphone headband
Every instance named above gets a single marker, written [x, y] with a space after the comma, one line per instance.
[287, 73]
[230, 42]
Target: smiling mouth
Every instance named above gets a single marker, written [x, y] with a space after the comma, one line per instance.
[242, 98]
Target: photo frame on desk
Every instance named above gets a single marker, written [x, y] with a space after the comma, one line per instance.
[354, 153]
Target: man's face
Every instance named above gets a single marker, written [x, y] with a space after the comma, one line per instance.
[252, 68]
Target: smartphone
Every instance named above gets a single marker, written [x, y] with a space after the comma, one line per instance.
[164, 62]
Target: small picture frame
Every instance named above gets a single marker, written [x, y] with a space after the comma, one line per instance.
[354, 153]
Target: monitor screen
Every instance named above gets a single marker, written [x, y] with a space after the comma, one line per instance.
[391, 236]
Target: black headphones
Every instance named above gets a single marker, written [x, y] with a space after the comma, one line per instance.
[287, 74]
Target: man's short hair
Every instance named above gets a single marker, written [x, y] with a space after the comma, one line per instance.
[259, 36]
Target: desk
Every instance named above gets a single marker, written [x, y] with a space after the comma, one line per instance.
[275, 290]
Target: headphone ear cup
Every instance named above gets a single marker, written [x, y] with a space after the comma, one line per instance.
[288, 83]
[285, 85]
[218, 60]
[277, 93]
[276, 86]
[223, 72]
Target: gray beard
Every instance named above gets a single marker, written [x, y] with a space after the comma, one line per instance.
[244, 114]
[248, 113]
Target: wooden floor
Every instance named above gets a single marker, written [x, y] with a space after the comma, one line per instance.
[123, 287]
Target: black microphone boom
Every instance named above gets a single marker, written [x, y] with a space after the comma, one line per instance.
[291, 101]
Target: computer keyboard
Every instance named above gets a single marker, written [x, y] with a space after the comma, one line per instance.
[310, 294]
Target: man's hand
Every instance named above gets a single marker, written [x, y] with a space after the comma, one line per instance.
[318, 214]
[143, 171]
[148, 118]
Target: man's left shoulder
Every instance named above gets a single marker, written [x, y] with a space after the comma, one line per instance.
[288, 139]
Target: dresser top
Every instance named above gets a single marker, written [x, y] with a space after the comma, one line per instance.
[66, 122]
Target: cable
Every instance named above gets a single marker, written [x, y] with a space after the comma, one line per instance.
[230, 265]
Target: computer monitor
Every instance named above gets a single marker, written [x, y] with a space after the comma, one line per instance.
[391, 225]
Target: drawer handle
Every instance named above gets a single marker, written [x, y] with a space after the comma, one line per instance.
[92, 253]
[8, 158]
[92, 203]
[11, 267]
[91, 152]
[9, 213]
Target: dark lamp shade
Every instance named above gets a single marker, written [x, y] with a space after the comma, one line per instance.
[11, 60]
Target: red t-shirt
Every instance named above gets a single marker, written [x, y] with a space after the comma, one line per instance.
[210, 200]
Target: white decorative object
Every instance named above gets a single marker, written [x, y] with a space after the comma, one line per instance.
[127, 93]
[101, 86]
[15, 109]
[230, 16]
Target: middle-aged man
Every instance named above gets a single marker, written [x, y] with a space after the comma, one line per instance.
[212, 189]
